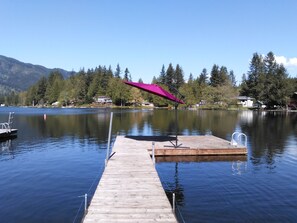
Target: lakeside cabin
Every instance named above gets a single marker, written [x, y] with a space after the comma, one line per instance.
[246, 102]
[103, 100]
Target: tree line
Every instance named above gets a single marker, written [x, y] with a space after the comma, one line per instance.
[266, 81]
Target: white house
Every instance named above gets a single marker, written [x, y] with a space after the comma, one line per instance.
[147, 104]
[245, 101]
[103, 100]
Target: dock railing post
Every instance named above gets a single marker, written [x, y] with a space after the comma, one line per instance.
[109, 136]
[153, 152]
[86, 202]
[173, 203]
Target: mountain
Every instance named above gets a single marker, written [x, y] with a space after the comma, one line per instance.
[18, 76]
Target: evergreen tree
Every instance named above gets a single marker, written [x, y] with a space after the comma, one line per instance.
[169, 75]
[276, 89]
[256, 77]
[191, 79]
[118, 72]
[54, 87]
[232, 78]
[41, 90]
[202, 80]
[281, 90]
[162, 77]
[244, 90]
[215, 79]
[178, 77]
[109, 72]
[93, 89]
[223, 76]
[127, 75]
[31, 97]
[154, 81]
[105, 76]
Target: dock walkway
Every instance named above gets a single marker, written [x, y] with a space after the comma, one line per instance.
[130, 189]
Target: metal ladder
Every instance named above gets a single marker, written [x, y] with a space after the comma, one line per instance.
[7, 125]
[238, 138]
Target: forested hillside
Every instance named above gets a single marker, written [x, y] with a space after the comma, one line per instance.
[18, 76]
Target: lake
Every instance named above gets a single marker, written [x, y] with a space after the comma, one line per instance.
[58, 156]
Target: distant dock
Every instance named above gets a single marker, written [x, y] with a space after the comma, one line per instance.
[130, 189]
[6, 130]
[5, 133]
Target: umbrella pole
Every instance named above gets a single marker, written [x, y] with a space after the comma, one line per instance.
[176, 125]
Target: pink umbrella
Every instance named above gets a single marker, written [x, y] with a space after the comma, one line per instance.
[155, 89]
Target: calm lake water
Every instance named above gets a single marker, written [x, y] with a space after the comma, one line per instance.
[54, 161]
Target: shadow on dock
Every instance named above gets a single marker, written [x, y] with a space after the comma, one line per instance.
[152, 138]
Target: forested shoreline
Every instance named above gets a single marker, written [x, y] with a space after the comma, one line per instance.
[265, 81]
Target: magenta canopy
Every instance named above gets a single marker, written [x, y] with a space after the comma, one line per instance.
[155, 89]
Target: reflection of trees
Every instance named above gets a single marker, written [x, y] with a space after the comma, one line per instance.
[82, 126]
[159, 122]
[220, 123]
[268, 133]
[174, 187]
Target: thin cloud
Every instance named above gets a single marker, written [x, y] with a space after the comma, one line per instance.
[287, 62]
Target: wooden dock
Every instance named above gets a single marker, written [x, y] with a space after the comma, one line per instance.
[130, 189]
[208, 145]
[5, 133]
[6, 130]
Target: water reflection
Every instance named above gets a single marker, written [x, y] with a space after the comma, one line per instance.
[174, 186]
[268, 134]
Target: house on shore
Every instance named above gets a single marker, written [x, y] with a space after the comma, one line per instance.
[147, 104]
[246, 102]
[103, 100]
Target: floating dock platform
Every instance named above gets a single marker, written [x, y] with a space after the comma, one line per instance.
[130, 189]
[6, 130]
[5, 133]
[208, 145]
[199, 146]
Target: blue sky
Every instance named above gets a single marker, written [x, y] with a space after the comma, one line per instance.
[145, 34]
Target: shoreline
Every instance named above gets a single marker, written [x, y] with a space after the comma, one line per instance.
[152, 108]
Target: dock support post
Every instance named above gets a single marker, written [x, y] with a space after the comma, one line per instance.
[173, 203]
[86, 202]
[153, 153]
[109, 136]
